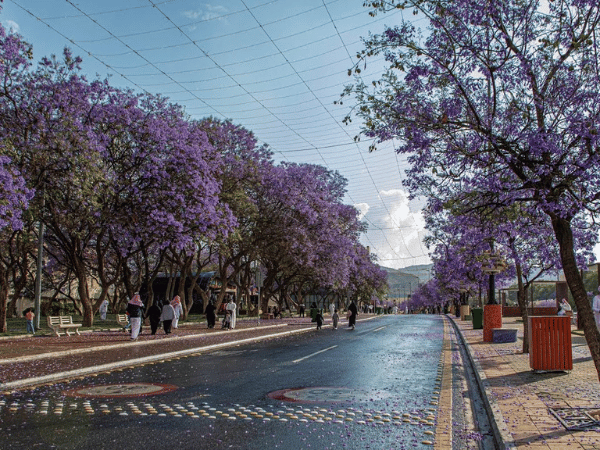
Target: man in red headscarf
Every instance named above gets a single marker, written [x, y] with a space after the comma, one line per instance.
[135, 309]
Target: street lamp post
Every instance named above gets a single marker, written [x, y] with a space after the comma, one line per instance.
[492, 313]
[258, 279]
[493, 264]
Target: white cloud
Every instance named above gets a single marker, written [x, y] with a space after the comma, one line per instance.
[363, 209]
[208, 12]
[11, 26]
[398, 242]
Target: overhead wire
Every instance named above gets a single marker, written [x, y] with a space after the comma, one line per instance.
[278, 113]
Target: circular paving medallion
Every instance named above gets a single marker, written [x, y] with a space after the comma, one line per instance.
[122, 390]
[325, 394]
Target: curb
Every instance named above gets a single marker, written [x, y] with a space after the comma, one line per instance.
[501, 433]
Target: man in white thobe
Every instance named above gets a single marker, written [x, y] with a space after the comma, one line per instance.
[103, 310]
[596, 308]
[231, 307]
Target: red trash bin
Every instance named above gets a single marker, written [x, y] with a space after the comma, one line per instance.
[550, 343]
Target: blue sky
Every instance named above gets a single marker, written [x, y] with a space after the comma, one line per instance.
[275, 67]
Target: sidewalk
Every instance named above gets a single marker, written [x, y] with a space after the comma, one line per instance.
[520, 399]
[34, 360]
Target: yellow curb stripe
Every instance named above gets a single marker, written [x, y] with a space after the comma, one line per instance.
[443, 429]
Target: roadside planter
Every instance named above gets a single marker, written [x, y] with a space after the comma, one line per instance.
[464, 311]
[550, 343]
[492, 318]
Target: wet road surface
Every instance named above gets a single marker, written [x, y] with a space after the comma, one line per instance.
[375, 387]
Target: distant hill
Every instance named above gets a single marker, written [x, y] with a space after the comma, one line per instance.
[404, 281]
[422, 271]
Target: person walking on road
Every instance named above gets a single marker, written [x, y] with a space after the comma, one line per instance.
[231, 307]
[176, 304]
[301, 310]
[166, 316]
[353, 310]
[153, 314]
[103, 309]
[135, 309]
[210, 314]
[335, 319]
[319, 320]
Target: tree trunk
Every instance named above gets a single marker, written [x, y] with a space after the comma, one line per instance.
[3, 298]
[564, 235]
[84, 298]
[19, 284]
[522, 300]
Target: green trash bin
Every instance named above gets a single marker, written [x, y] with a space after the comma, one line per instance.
[477, 315]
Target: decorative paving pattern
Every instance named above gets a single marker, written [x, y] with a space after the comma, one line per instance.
[325, 394]
[122, 390]
[576, 418]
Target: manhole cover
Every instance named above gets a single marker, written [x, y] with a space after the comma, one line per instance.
[325, 395]
[576, 418]
[122, 390]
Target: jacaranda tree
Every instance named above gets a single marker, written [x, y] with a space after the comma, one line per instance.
[502, 98]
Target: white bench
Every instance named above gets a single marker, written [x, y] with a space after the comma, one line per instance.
[62, 324]
[123, 321]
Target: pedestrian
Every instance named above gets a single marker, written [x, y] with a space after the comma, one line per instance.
[29, 315]
[231, 307]
[596, 308]
[153, 314]
[565, 308]
[353, 311]
[135, 309]
[319, 320]
[335, 318]
[226, 320]
[103, 309]
[210, 314]
[275, 312]
[302, 310]
[176, 304]
[166, 316]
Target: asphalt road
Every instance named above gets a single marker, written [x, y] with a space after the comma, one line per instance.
[373, 387]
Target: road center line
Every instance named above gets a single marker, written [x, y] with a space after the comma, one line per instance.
[313, 354]
[378, 329]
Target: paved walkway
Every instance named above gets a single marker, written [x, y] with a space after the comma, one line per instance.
[33, 360]
[519, 399]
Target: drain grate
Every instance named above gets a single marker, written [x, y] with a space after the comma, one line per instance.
[577, 418]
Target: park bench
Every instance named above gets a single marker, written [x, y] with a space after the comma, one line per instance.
[266, 316]
[62, 325]
[123, 321]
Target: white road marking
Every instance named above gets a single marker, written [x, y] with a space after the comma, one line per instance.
[313, 354]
